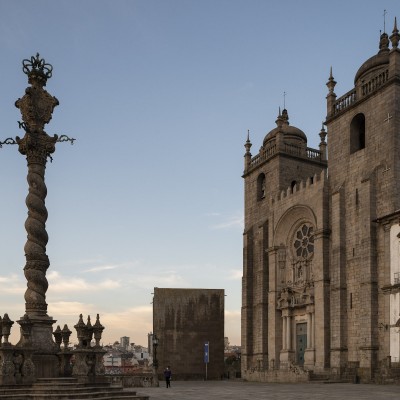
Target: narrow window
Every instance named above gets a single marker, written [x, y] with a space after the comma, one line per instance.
[292, 185]
[357, 199]
[261, 187]
[357, 133]
[351, 300]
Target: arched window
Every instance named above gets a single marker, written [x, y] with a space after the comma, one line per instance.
[357, 133]
[261, 187]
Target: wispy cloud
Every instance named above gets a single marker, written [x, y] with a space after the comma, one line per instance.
[164, 279]
[59, 284]
[232, 222]
[236, 274]
[212, 214]
[12, 284]
[109, 267]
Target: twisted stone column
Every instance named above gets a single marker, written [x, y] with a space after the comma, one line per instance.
[36, 108]
[37, 261]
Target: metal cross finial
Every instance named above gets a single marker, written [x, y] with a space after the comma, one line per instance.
[284, 99]
[384, 21]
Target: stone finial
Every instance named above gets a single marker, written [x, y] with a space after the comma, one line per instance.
[279, 121]
[58, 337]
[80, 330]
[6, 328]
[383, 43]
[89, 331]
[395, 37]
[65, 334]
[285, 116]
[98, 330]
[331, 83]
[26, 329]
[322, 145]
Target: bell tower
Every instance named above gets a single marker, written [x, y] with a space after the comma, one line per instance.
[364, 171]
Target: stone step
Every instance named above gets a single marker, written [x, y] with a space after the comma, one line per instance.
[67, 388]
[75, 396]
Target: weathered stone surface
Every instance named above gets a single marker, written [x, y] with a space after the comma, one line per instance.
[183, 320]
[319, 267]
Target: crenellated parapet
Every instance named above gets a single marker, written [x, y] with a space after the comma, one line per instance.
[308, 187]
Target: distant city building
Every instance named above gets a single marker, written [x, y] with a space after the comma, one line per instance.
[124, 342]
[184, 320]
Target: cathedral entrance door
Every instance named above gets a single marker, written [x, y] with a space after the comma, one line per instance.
[301, 342]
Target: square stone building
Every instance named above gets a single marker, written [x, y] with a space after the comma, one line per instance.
[321, 274]
[184, 320]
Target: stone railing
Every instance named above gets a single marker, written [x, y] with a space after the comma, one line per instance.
[264, 154]
[365, 89]
[345, 101]
[292, 149]
[374, 83]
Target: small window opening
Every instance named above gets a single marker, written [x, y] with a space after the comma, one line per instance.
[351, 300]
[261, 187]
[293, 185]
[311, 180]
[357, 133]
[357, 198]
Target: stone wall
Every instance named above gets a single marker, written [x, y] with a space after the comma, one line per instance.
[183, 320]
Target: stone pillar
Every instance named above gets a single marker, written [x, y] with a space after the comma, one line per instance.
[309, 340]
[286, 355]
[338, 295]
[284, 339]
[289, 332]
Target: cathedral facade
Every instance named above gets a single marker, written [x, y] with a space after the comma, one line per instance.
[321, 259]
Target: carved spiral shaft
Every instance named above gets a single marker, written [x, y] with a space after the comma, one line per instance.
[37, 261]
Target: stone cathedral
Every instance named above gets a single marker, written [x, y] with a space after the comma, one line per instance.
[321, 260]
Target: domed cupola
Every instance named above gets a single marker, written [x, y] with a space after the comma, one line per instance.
[376, 63]
[291, 134]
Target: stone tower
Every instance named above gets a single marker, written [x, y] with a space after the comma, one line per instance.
[364, 170]
[321, 268]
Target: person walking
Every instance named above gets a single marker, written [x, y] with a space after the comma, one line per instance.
[167, 376]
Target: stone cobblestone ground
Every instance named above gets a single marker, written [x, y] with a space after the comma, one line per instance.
[236, 390]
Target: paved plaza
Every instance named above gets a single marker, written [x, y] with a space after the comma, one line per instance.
[236, 390]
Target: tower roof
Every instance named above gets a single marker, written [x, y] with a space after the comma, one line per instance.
[377, 62]
[291, 133]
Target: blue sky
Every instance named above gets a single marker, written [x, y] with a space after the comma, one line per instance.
[159, 95]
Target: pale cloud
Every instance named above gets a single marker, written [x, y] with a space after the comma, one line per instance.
[236, 274]
[212, 214]
[232, 325]
[69, 308]
[134, 322]
[60, 284]
[233, 222]
[164, 279]
[12, 284]
[105, 268]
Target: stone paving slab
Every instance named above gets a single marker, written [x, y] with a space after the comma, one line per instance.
[237, 390]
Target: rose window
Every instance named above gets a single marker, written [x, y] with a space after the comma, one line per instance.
[304, 241]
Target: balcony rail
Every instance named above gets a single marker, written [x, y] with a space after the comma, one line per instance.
[292, 149]
[365, 89]
[345, 101]
[374, 83]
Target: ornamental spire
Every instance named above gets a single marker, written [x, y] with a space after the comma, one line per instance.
[395, 37]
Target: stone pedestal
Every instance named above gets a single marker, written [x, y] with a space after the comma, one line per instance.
[309, 359]
[286, 358]
[45, 355]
